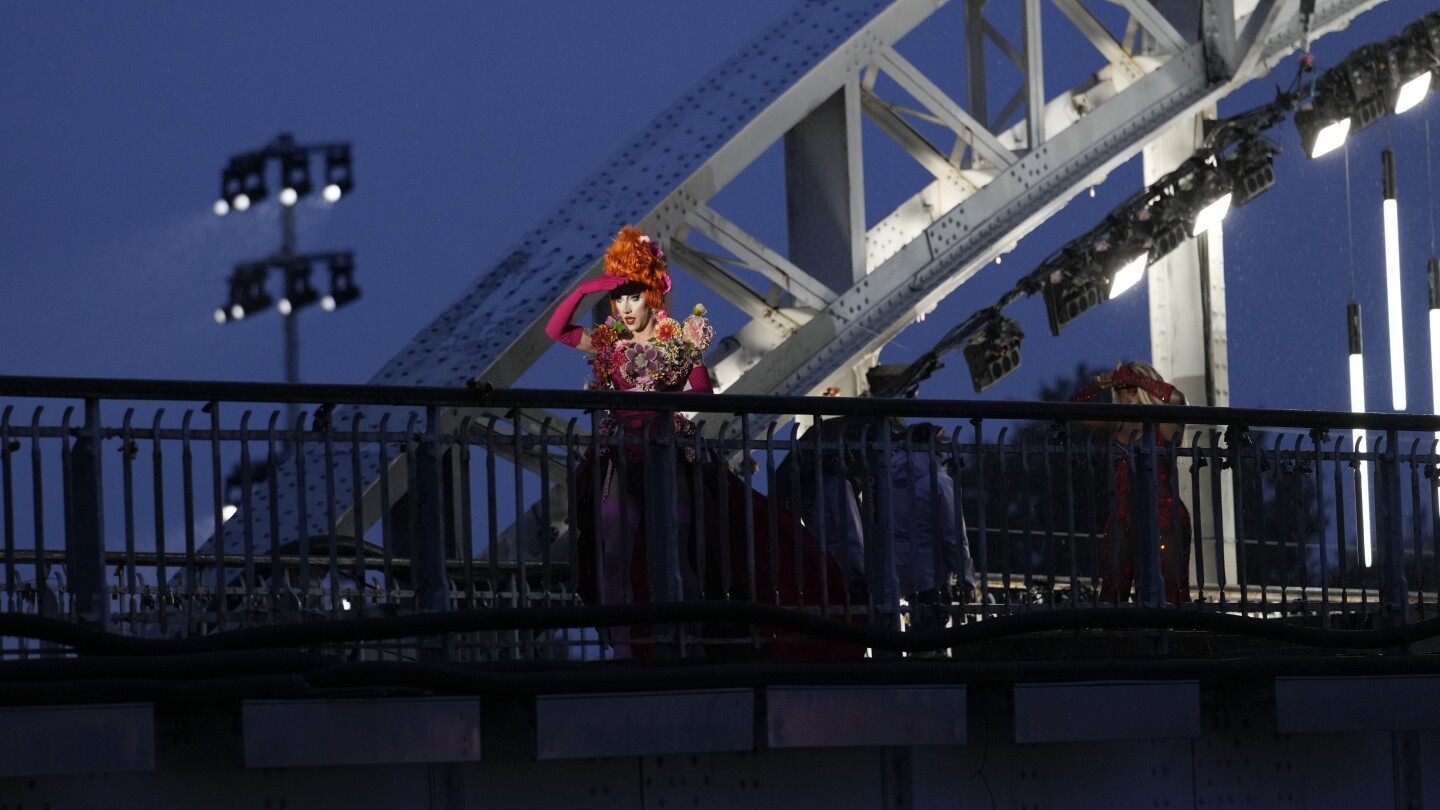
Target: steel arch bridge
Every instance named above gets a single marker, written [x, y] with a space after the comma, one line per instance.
[818, 309]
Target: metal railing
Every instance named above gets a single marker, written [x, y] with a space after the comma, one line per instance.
[479, 524]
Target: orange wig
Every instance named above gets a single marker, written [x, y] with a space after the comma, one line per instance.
[635, 257]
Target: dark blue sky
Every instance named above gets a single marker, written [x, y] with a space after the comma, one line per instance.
[471, 121]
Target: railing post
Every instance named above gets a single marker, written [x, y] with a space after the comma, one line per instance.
[87, 542]
[1392, 540]
[662, 532]
[1145, 520]
[879, 525]
[432, 587]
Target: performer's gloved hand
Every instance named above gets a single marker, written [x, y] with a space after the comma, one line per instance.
[601, 283]
[559, 327]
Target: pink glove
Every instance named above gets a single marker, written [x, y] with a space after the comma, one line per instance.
[699, 380]
[1124, 377]
[559, 327]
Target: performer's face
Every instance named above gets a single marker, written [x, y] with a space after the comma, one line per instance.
[631, 308]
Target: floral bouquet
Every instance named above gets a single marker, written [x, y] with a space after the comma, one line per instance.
[663, 361]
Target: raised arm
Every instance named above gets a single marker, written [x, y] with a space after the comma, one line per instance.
[699, 381]
[1102, 382]
[559, 327]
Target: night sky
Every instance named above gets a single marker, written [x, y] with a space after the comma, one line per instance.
[471, 121]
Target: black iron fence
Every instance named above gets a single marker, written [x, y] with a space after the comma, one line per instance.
[481, 524]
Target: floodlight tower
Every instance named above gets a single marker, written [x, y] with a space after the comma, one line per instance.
[243, 184]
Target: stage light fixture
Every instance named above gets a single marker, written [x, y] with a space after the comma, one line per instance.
[338, 180]
[299, 292]
[993, 352]
[1251, 168]
[1357, 405]
[1322, 129]
[1128, 273]
[1347, 98]
[294, 176]
[1394, 308]
[1070, 290]
[1367, 72]
[1168, 230]
[1416, 54]
[1205, 195]
[342, 282]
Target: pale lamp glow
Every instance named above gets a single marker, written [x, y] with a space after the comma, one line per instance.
[221, 207]
[1357, 405]
[1128, 275]
[284, 306]
[237, 312]
[1392, 300]
[327, 303]
[242, 202]
[1331, 137]
[344, 603]
[1211, 215]
[220, 316]
[228, 511]
[331, 193]
[288, 196]
[1412, 92]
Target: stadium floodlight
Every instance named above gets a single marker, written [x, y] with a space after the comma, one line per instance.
[338, 180]
[342, 282]
[247, 292]
[294, 176]
[299, 292]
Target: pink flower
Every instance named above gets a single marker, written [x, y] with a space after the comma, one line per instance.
[698, 331]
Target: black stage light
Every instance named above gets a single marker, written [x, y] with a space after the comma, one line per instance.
[1071, 289]
[1368, 71]
[994, 352]
[299, 292]
[1416, 58]
[1121, 260]
[1251, 167]
[338, 180]
[342, 282]
[1168, 226]
[294, 176]
[1207, 195]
